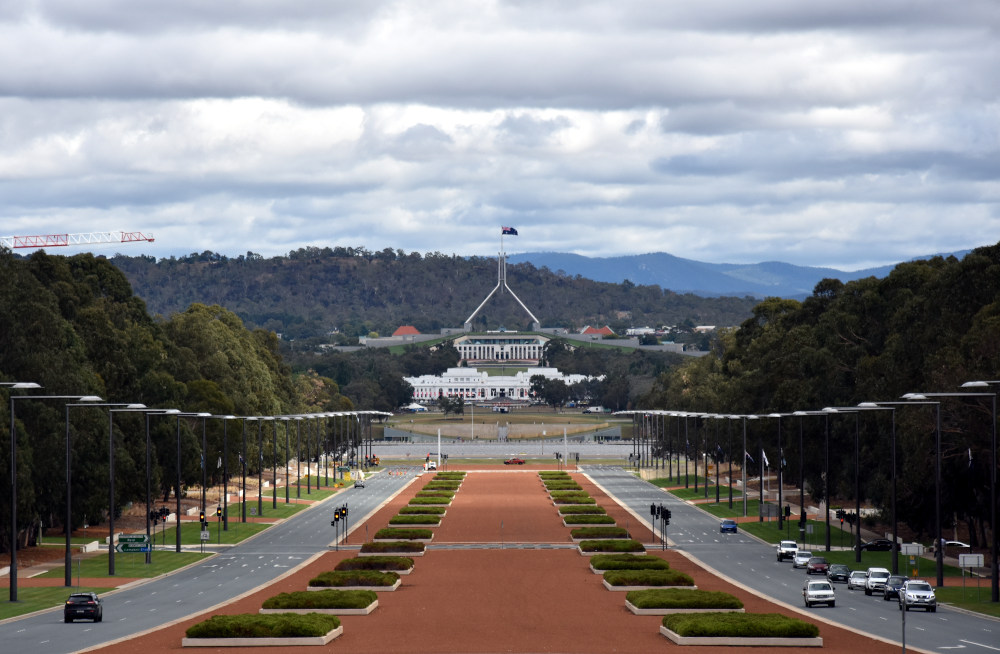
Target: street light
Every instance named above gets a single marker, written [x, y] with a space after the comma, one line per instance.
[890, 406]
[133, 408]
[178, 481]
[994, 571]
[781, 514]
[149, 495]
[802, 484]
[225, 469]
[13, 465]
[746, 495]
[857, 477]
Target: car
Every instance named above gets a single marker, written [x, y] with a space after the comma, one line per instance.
[857, 579]
[917, 594]
[957, 543]
[727, 527]
[818, 592]
[875, 580]
[431, 465]
[514, 462]
[877, 545]
[83, 606]
[787, 549]
[801, 558]
[838, 572]
[359, 483]
[892, 586]
[817, 565]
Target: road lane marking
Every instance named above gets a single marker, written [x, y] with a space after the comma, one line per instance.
[972, 642]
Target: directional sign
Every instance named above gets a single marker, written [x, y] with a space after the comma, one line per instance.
[205, 535]
[133, 538]
[132, 547]
[970, 560]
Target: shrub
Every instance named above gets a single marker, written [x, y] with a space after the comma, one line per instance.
[436, 493]
[442, 485]
[377, 562]
[449, 475]
[627, 562]
[581, 519]
[416, 501]
[392, 546]
[599, 532]
[563, 485]
[410, 519]
[423, 510]
[275, 625]
[739, 625]
[576, 509]
[574, 500]
[619, 545]
[550, 474]
[403, 534]
[338, 578]
[681, 598]
[323, 599]
[568, 493]
[647, 578]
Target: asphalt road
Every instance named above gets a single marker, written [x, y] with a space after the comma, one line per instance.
[751, 563]
[236, 570]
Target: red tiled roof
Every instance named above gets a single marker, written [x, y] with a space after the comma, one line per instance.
[406, 330]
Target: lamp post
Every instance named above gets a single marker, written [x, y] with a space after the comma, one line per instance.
[111, 481]
[298, 456]
[177, 498]
[746, 495]
[857, 476]
[781, 514]
[149, 494]
[994, 571]
[225, 470]
[243, 471]
[285, 420]
[891, 407]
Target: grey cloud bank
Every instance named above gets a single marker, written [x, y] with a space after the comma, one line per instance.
[840, 134]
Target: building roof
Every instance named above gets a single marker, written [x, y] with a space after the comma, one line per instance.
[406, 330]
[601, 331]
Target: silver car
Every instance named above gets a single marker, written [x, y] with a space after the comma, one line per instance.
[801, 558]
[856, 580]
[818, 592]
[917, 594]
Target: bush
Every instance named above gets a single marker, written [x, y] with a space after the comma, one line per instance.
[581, 519]
[647, 578]
[416, 501]
[377, 562]
[338, 578]
[553, 474]
[574, 500]
[423, 510]
[275, 625]
[442, 485]
[403, 534]
[563, 485]
[739, 625]
[392, 546]
[424, 519]
[323, 599]
[568, 493]
[627, 562]
[448, 476]
[681, 598]
[578, 509]
[436, 493]
[599, 532]
[619, 545]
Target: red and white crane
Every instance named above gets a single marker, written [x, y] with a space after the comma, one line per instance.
[62, 240]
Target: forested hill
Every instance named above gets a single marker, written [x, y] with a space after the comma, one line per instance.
[312, 291]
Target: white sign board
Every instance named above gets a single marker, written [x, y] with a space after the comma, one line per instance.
[970, 560]
[912, 549]
[205, 535]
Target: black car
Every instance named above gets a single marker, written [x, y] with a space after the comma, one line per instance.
[878, 545]
[87, 606]
[838, 572]
[892, 587]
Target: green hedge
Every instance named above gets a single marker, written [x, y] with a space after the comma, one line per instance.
[436, 493]
[739, 625]
[423, 510]
[339, 578]
[647, 578]
[402, 546]
[681, 598]
[599, 532]
[450, 474]
[581, 519]
[563, 485]
[619, 545]
[425, 519]
[553, 474]
[376, 563]
[322, 599]
[627, 562]
[275, 625]
[442, 485]
[568, 493]
[581, 509]
[403, 534]
[416, 501]
[574, 500]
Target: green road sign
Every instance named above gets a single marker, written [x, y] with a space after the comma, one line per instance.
[132, 547]
[133, 538]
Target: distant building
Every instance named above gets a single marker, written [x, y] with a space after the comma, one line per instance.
[406, 330]
[600, 332]
[473, 385]
[510, 348]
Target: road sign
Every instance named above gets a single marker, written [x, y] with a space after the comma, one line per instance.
[133, 538]
[970, 560]
[253, 510]
[205, 535]
[132, 547]
[912, 549]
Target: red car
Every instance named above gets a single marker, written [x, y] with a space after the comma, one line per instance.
[817, 564]
[514, 462]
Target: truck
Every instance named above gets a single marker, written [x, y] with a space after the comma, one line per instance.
[787, 550]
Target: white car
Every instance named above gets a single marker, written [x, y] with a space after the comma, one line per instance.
[801, 558]
[917, 594]
[818, 592]
[875, 580]
[787, 549]
[857, 579]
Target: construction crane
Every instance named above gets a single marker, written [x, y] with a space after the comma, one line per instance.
[63, 240]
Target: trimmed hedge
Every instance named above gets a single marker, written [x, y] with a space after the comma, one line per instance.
[376, 563]
[443, 485]
[599, 532]
[392, 546]
[681, 598]
[403, 534]
[581, 519]
[568, 493]
[340, 578]
[416, 501]
[275, 625]
[619, 545]
[436, 493]
[647, 578]
[449, 474]
[574, 500]
[423, 510]
[581, 509]
[563, 485]
[739, 625]
[323, 599]
[553, 473]
[409, 519]
[627, 562]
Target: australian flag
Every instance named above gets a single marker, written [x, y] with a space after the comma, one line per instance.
[508, 230]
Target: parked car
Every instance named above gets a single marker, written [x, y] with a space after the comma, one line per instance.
[514, 462]
[877, 545]
[817, 565]
[838, 572]
[818, 592]
[359, 483]
[857, 579]
[875, 580]
[801, 558]
[727, 527]
[892, 586]
[787, 549]
[917, 594]
[83, 606]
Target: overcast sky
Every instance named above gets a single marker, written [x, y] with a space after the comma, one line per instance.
[844, 134]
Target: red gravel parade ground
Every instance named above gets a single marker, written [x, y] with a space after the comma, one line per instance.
[514, 599]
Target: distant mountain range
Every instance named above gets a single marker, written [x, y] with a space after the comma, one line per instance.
[767, 279]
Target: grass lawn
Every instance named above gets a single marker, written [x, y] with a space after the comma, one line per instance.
[971, 598]
[126, 565]
[283, 510]
[30, 600]
[238, 531]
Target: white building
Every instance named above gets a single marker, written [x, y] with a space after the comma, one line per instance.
[474, 385]
[496, 347]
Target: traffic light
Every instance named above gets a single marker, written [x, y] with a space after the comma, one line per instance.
[201, 517]
[788, 510]
[666, 513]
[218, 512]
[343, 510]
